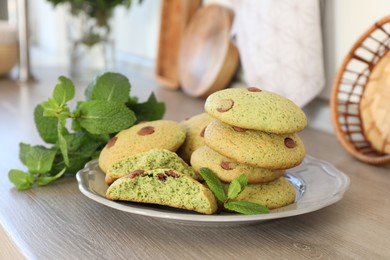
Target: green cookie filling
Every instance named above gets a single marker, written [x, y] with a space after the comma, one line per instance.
[163, 187]
[153, 159]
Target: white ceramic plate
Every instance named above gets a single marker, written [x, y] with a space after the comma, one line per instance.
[318, 184]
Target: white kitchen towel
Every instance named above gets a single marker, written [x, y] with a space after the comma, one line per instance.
[280, 46]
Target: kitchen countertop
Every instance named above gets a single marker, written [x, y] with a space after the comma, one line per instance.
[58, 222]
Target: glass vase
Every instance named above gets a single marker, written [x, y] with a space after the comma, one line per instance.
[91, 46]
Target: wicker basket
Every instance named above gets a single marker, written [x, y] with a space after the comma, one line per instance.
[349, 88]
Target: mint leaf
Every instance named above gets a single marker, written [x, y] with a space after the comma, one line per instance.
[243, 180]
[102, 138]
[56, 106]
[84, 144]
[234, 189]
[39, 159]
[20, 179]
[237, 186]
[133, 100]
[23, 151]
[46, 126]
[76, 114]
[44, 180]
[62, 143]
[63, 91]
[80, 148]
[109, 87]
[214, 183]
[51, 107]
[103, 117]
[246, 207]
[149, 110]
[74, 141]
[75, 164]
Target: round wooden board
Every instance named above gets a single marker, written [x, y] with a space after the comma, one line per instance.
[207, 59]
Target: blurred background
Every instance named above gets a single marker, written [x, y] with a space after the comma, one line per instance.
[136, 33]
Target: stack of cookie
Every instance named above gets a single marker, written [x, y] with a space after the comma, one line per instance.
[244, 131]
[253, 133]
[141, 165]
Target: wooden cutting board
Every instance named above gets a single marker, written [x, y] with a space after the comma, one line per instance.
[175, 16]
[208, 59]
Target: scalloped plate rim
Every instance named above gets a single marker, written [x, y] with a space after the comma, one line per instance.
[299, 174]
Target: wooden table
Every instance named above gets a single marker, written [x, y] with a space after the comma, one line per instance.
[58, 222]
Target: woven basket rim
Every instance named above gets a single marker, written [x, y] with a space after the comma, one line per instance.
[380, 159]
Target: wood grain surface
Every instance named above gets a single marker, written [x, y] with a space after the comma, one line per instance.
[58, 222]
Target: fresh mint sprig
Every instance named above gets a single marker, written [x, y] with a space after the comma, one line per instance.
[234, 189]
[107, 109]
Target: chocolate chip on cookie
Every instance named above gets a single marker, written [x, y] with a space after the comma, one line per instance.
[225, 105]
[147, 130]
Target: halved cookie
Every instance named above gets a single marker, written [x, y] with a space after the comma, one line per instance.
[142, 137]
[164, 187]
[153, 159]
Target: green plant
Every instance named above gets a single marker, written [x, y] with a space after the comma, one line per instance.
[108, 109]
[100, 11]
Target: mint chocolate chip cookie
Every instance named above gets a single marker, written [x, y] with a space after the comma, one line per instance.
[227, 169]
[164, 187]
[256, 148]
[164, 134]
[274, 194]
[252, 108]
[196, 126]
